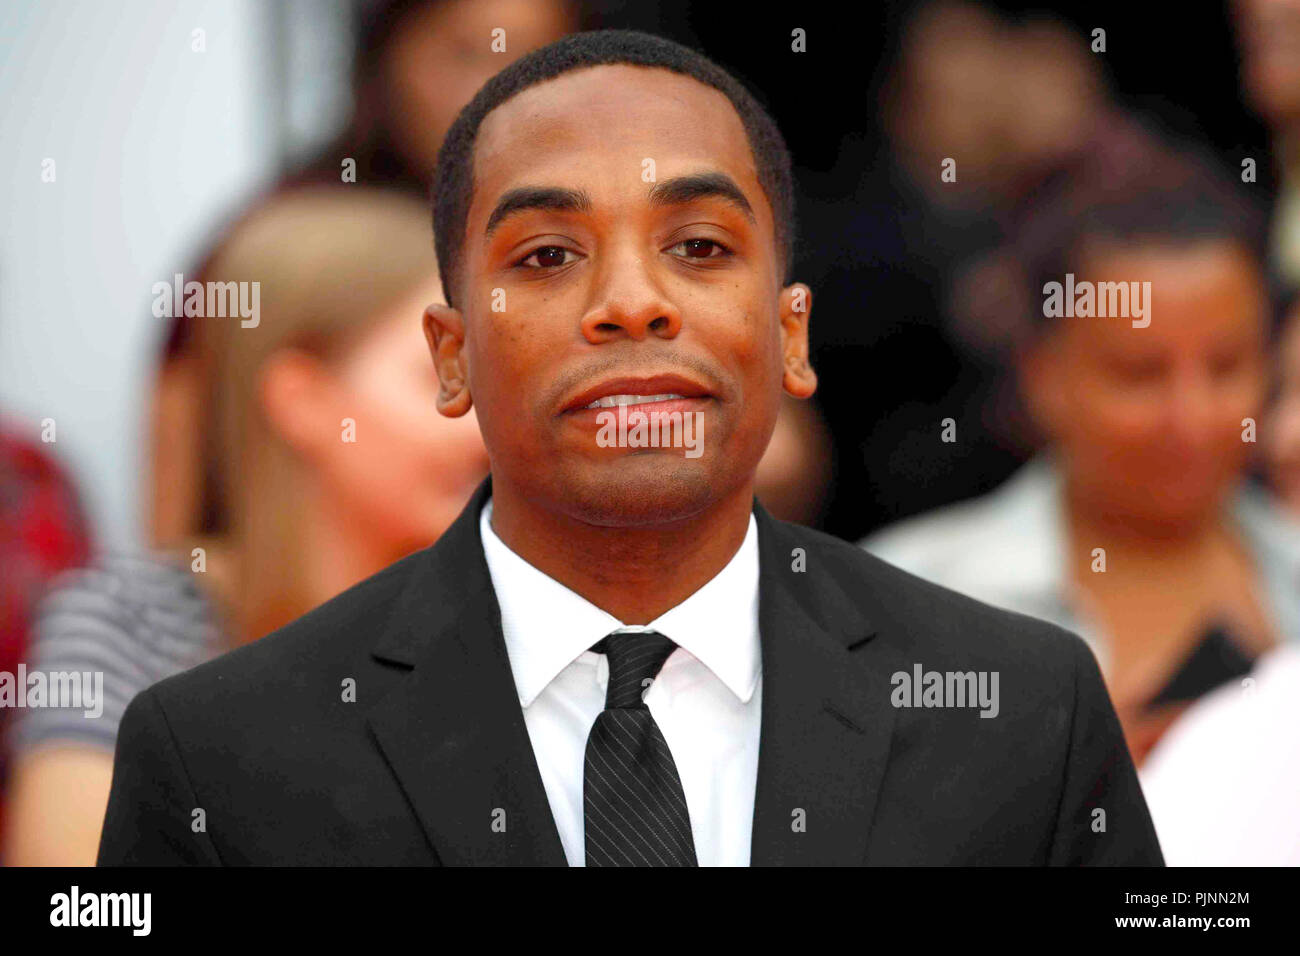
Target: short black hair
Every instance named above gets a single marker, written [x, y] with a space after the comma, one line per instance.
[453, 181]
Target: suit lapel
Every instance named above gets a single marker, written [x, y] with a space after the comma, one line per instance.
[454, 735]
[452, 730]
[826, 713]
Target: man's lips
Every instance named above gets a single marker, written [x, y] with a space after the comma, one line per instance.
[657, 393]
[649, 412]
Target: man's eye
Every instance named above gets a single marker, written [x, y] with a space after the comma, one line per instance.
[700, 249]
[548, 257]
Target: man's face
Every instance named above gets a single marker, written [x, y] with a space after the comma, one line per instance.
[593, 267]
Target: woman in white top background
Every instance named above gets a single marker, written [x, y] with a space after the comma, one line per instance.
[1135, 526]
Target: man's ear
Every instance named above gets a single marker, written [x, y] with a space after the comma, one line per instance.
[798, 378]
[444, 330]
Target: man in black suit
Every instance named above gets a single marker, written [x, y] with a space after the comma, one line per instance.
[615, 656]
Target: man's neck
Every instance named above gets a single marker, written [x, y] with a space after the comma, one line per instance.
[634, 574]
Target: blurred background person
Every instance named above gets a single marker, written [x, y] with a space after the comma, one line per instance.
[977, 111]
[415, 64]
[324, 460]
[42, 532]
[1135, 527]
[1282, 434]
[795, 472]
[1223, 785]
[1268, 38]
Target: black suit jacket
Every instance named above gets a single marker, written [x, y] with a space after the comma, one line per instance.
[434, 750]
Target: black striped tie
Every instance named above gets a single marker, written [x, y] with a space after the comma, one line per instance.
[633, 804]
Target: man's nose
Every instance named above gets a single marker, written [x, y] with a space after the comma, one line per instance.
[629, 301]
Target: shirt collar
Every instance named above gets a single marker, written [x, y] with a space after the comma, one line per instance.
[547, 626]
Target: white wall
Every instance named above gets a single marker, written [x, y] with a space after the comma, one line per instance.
[153, 145]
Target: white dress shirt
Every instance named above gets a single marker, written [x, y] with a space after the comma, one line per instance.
[706, 699]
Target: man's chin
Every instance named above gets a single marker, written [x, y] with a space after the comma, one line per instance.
[640, 489]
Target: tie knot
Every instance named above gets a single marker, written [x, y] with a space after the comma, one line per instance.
[635, 658]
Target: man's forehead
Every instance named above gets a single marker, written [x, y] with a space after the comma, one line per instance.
[607, 114]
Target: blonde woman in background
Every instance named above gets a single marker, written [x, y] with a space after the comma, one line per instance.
[321, 458]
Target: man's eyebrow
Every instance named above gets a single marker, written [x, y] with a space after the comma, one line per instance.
[684, 189]
[537, 197]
